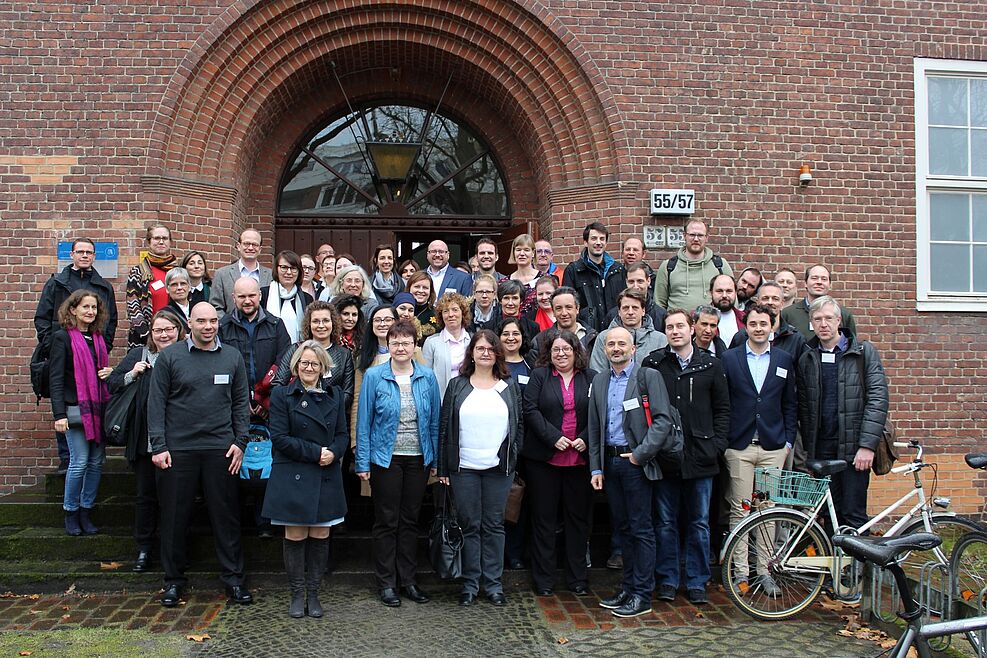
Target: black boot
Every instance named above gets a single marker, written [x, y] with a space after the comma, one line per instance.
[72, 523]
[85, 521]
[294, 564]
[316, 559]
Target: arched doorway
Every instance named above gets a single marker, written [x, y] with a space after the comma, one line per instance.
[391, 172]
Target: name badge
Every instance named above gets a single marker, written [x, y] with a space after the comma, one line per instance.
[631, 404]
[781, 372]
[500, 386]
[450, 290]
[828, 357]
[810, 326]
[522, 379]
[157, 285]
[590, 393]
[220, 379]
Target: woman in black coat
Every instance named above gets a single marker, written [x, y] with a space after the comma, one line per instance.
[135, 370]
[556, 411]
[305, 491]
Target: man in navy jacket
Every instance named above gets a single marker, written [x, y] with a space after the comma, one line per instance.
[763, 410]
[445, 277]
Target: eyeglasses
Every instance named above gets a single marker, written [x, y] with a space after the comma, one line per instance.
[250, 245]
[695, 236]
[543, 251]
[401, 344]
[308, 268]
[287, 268]
[164, 330]
[484, 292]
[383, 320]
[438, 251]
[309, 365]
[320, 321]
[84, 252]
[160, 238]
[483, 349]
[562, 350]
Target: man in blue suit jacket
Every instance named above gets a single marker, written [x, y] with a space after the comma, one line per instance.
[446, 278]
[763, 410]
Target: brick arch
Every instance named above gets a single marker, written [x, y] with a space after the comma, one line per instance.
[518, 58]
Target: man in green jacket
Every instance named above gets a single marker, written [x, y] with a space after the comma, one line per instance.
[682, 281]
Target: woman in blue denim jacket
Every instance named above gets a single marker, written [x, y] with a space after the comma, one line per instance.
[396, 446]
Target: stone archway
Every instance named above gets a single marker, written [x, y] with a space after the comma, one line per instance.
[247, 72]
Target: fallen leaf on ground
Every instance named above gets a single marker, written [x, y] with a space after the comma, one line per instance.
[700, 615]
[563, 640]
[25, 653]
[34, 597]
[108, 566]
[71, 589]
[197, 637]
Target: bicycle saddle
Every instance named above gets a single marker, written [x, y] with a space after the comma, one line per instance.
[883, 551]
[977, 460]
[823, 467]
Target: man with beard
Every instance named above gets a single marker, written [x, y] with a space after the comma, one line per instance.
[723, 293]
[682, 280]
[748, 283]
[630, 316]
[639, 276]
[783, 335]
[707, 320]
[565, 306]
[817, 284]
[486, 259]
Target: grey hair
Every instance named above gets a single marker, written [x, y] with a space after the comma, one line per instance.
[825, 300]
[177, 273]
[336, 287]
[320, 353]
[705, 309]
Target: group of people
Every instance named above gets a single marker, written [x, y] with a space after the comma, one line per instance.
[667, 385]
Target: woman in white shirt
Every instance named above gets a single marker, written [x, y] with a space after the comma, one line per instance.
[480, 435]
[444, 351]
[284, 297]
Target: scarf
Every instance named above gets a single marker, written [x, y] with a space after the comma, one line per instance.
[90, 390]
[542, 320]
[141, 288]
[387, 288]
[289, 313]
[348, 339]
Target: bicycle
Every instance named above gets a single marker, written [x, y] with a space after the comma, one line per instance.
[793, 555]
[968, 570]
[885, 553]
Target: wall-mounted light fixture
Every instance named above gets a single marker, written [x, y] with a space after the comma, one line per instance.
[805, 174]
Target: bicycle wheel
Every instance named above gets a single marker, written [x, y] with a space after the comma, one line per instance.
[759, 549]
[949, 527]
[968, 569]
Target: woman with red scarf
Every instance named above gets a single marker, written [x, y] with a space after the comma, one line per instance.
[542, 313]
[79, 365]
[146, 290]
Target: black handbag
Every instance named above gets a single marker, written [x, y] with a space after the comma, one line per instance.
[118, 416]
[445, 541]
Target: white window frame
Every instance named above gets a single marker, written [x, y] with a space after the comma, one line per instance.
[925, 184]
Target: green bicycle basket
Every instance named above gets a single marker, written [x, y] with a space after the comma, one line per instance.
[790, 487]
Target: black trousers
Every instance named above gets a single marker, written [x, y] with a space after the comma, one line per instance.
[849, 489]
[177, 487]
[146, 510]
[548, 487]
[397, 493]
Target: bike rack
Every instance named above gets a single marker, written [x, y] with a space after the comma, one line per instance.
[983, 611]
[938, 599]
[886, 611]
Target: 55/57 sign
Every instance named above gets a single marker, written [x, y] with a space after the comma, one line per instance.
[673, 202]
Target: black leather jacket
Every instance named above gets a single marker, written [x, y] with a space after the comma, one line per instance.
[456, 393]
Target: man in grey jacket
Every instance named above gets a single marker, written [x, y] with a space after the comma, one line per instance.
[631, 305]
[198, 421]
[248, 248]
[842, 406]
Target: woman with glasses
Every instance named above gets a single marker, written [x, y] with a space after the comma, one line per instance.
[135, 370]
[321, 324]
[198, 277]
[146, 291]
[484, 310]
[305, 491]
[327, 270]
[352, 281]
[396, 448]
[284, 298]
[179, 286]
[309, 285]
[445, 351]
[556, 411]
[481, 432]
[385, 280]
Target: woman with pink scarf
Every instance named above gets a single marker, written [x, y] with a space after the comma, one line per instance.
[78, 368]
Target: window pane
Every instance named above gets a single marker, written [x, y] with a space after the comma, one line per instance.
[949, 216]
[947, 151]
[947, 101]
[978, 103]
[979, 217]
[978, 152]
[950, 268]
[980, 269]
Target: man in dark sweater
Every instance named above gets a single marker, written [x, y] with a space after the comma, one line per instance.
[198, 419]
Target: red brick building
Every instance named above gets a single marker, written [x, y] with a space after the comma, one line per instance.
[117, 114]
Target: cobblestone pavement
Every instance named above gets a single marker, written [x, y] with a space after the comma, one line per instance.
[357, 625]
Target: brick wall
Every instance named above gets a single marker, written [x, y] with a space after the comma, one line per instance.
[116, 114]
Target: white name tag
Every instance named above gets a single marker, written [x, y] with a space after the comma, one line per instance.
[220, 379]
[500, 386]
[828, 357]
[810, 326]
[631, 404]
[522, 379]
[781, 372]
[157, 285]
[450, 290]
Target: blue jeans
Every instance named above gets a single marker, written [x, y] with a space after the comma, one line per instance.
[481, 497]
[629, 492]
[85, 468]
[690, 498]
